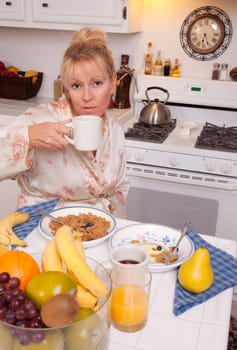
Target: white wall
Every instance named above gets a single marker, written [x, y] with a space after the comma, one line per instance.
[43, 49]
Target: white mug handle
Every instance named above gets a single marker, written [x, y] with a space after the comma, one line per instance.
[69, 139]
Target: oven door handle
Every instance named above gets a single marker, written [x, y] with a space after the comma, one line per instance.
[182, 177]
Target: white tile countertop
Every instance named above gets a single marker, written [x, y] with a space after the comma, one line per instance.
[203, 327]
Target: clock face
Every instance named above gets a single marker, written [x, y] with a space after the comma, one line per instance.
[206, 33]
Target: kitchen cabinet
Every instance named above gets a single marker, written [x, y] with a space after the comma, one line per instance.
[115, 16]
[13, 10]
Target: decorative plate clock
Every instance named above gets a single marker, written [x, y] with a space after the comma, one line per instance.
[206, 33]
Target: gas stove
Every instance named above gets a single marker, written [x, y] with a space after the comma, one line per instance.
[192, 109]
[179, 179]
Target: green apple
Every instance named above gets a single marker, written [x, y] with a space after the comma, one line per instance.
[6, 338]
[47, 284]
[87, 334]
[83, 313]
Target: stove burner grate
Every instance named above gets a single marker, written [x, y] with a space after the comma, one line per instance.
[217, 138]
[150, 132]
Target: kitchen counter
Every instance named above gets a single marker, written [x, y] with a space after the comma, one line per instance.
[12, 108]
[203, 327]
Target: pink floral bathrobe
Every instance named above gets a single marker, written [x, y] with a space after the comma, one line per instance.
[78, 178]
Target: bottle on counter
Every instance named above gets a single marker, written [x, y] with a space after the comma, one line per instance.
[216, 71]
[167, 67]
[223, 71]
[124, 78]
[158, 65]
[58, 88]
[148, 60]
[176, 69]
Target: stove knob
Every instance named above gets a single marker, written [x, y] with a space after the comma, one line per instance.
[226, 168]
[173, 161]
[210, 166]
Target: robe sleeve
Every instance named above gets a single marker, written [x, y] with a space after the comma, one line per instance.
[14, 150]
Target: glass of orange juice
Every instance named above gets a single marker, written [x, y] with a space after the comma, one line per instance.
[5, 243]
[129, 302]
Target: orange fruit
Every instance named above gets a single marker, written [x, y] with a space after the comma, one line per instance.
[19, 264]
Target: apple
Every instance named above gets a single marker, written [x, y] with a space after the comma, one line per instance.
[46, 284]
[87, 334]
[6, 338]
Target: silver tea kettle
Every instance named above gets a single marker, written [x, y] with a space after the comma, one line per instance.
[155, 112]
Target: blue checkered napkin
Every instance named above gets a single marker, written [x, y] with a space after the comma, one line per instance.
[224, 267]
[23, 230]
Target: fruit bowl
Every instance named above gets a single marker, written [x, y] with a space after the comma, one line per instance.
[89, 332]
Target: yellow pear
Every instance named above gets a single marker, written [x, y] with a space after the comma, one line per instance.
[196, 274]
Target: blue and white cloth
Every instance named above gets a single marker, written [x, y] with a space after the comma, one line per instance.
[224, 267]
[23, 230]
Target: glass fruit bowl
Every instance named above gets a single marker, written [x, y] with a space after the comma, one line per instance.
[89, 332]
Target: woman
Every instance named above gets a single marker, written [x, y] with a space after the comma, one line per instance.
[35, 151]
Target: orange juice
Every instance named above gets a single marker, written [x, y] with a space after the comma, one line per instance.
[128, 306]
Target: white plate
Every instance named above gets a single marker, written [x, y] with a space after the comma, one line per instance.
[154, 234]
[76, 210]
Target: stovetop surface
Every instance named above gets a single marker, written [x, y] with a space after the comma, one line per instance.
[217, 138]
[157, 133]
[191, 135]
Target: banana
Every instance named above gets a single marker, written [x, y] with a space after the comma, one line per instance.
[76, 265]
[11, 220]
[78, 245]
[51, 260]
[85, 298]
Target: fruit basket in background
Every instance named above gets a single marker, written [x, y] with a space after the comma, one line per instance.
[20, 88]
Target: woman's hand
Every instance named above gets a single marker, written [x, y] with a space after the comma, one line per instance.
[49, 135]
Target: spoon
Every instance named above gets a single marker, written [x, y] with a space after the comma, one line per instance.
[43, 212]
[170, 257]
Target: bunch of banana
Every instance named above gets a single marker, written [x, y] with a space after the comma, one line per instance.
[8, 222]
[65, 252]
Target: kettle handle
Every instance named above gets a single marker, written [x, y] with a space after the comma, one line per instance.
[157, 88]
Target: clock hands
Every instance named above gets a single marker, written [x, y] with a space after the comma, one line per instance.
[205, 39]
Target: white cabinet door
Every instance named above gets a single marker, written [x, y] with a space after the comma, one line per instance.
[14, 10]
[109, 15]
[106, 12]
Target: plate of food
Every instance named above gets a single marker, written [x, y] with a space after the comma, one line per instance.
[157, 240]
[94, 224]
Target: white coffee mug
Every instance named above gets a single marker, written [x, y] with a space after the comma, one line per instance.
[129, 264]
[86, 132]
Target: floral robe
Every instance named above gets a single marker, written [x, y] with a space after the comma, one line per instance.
[78, 178]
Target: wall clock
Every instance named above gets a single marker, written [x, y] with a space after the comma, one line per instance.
[206, 33]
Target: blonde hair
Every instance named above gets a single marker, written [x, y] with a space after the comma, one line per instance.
[86, 45]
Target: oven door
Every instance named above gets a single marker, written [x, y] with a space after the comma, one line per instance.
[172, 199]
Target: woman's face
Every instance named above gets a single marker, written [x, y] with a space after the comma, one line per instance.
[90, 88]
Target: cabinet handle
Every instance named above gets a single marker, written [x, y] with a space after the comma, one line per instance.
[8, 3]
[124, 15]
[45, 4]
